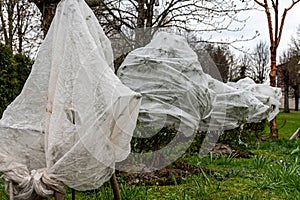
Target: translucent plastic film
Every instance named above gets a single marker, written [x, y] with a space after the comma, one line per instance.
[74, 118]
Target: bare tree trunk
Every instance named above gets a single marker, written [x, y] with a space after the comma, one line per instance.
[273, 67]
[3, 23]
[10, 13]
[59, 196]
[140, 26]
[47, 9]
[73, 194]
[19, 29]
[296, 92]
[286, 98]
[115, 187]
[275, 32]
[273, 124]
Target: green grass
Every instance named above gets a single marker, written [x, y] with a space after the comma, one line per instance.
[287, 123]
[272, 172]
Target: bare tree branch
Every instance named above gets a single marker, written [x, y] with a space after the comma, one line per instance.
[283, 19]
[260, 3]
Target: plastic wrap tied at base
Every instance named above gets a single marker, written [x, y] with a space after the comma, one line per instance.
[74, 119]
[176, 90]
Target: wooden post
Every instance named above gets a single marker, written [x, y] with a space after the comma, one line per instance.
[297, 132]
[11, 191]
[73, 194]
[115, 187]
[59, 196]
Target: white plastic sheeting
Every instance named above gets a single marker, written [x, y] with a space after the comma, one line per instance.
[171, 80]
[174, 88]
[233, 107]
[74, 118]
[269, 96]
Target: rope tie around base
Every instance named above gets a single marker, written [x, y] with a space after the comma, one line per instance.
[31, 186]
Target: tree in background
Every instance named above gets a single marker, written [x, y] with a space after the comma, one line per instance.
[289, 78]
[234, 71]
[294, 46]
[222, 57]
[145, 16]
[132, 23]
[294, 49]
[48, 7]
[260, 60]
[20, 26]
[289, 71]
[245, 66]
[14, 70]
[284, 79]
[275, 27]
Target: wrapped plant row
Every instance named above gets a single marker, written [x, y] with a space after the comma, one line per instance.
[176, 90]
[74, 118]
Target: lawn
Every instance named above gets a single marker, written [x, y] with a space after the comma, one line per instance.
[287, 123]
[271, 171]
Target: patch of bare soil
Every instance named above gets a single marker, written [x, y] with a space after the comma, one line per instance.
[226, 150]
[177, 172]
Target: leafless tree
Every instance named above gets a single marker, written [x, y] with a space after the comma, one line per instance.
[288, 71]
[294, 47]
[133, 22]
[289, 77]
[260, 61]
[20, 25]
[245, 65]
[275, 27]
[222, 57]
[283, 79]
[138, 20]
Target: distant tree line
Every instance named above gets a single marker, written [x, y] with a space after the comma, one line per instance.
[289, 72]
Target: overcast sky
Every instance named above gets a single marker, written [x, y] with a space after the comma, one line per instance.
[258, 21]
